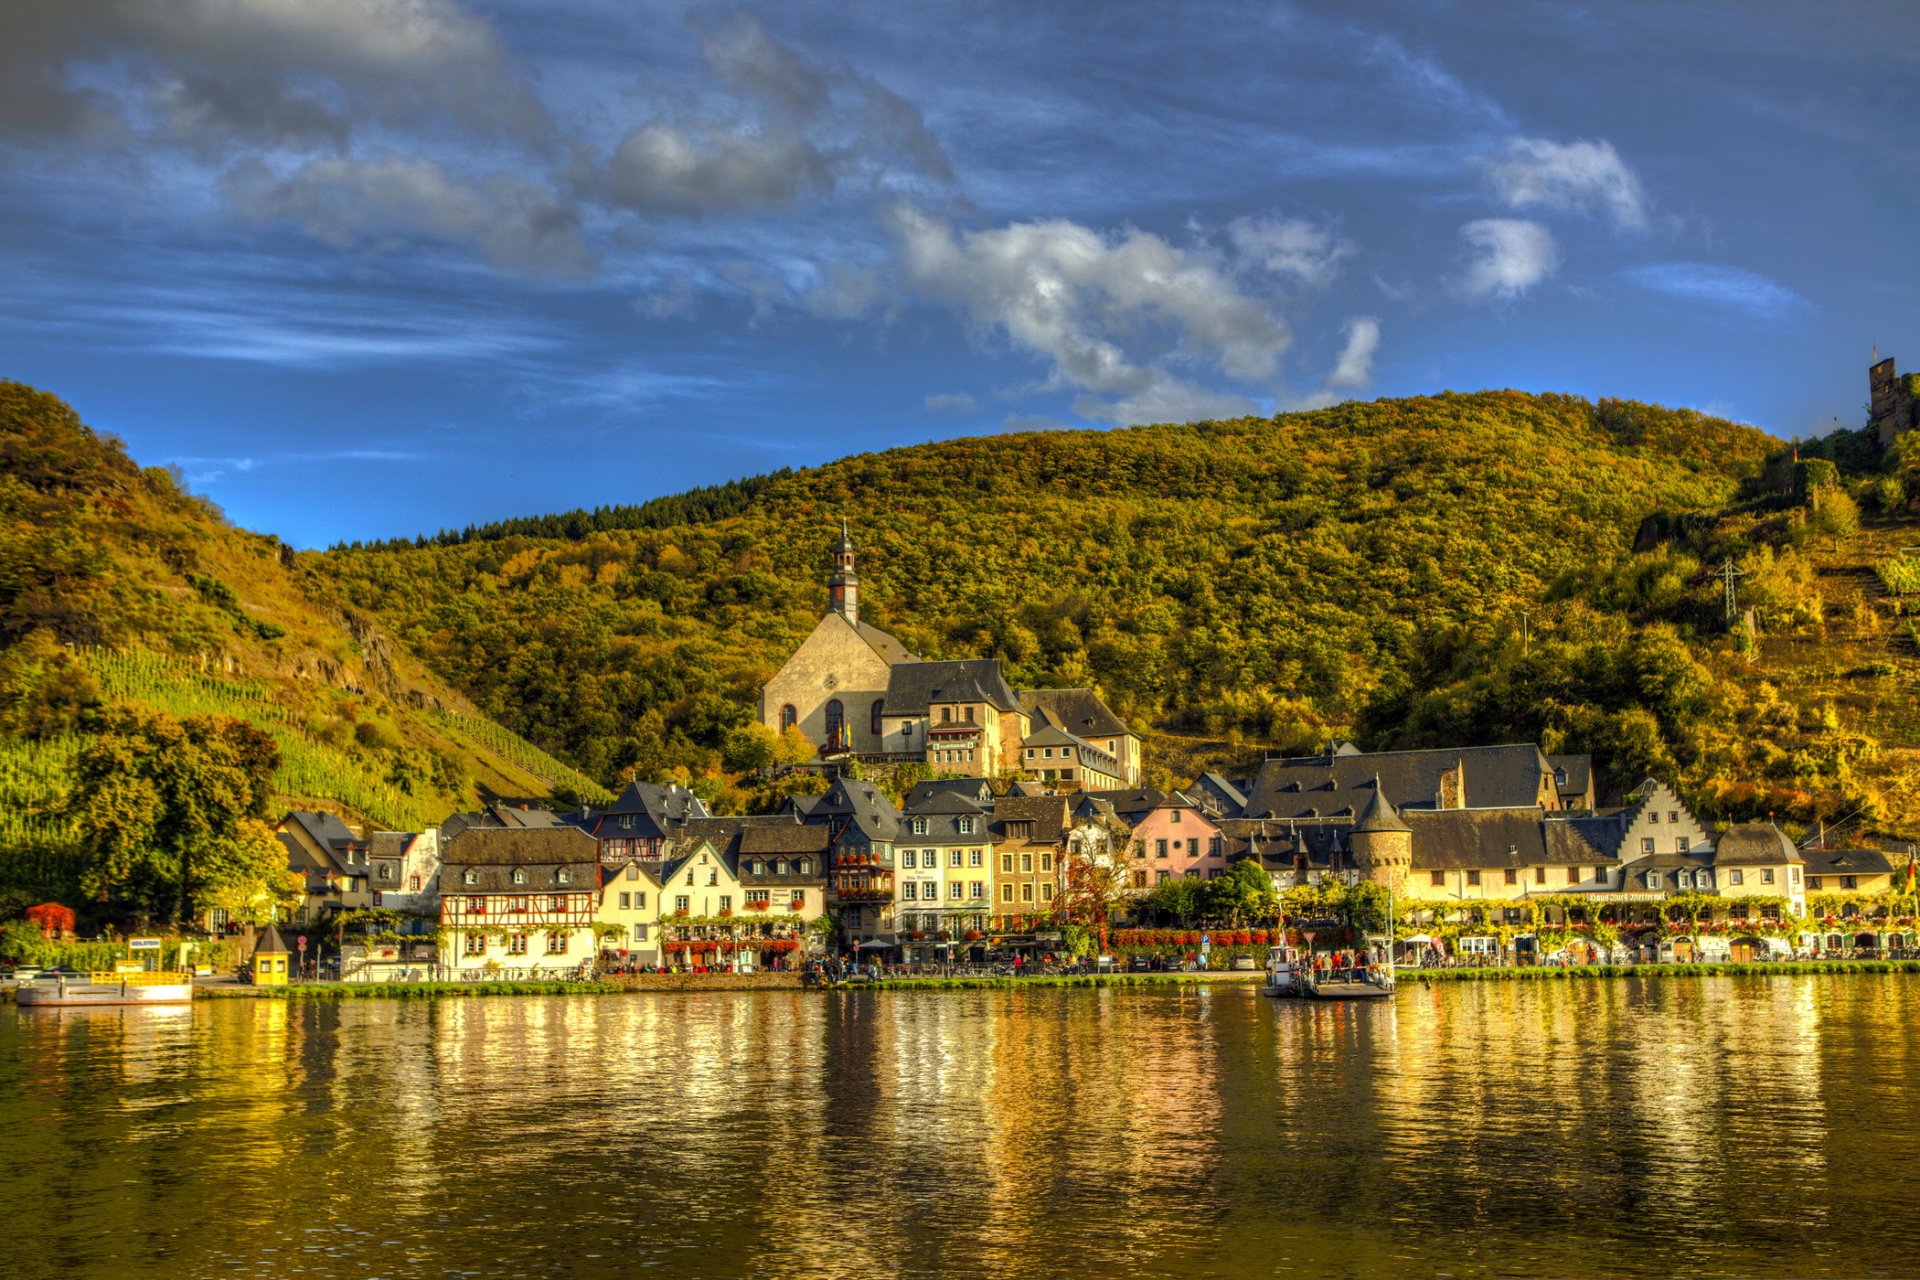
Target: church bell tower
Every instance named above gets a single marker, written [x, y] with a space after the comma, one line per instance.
[843, 588]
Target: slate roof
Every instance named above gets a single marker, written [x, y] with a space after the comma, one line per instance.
[1078, 711]
[1379, 815]
[945, 802]
[1476, 839]
[1849, 862]
[1048, 814]
[1755, 842]
[1586, 837]
[978, 789]
[772, 840]
[1633, 875]
[913, 686]
[1317, 786]
[272, 941]
[542, 852]
[1222, 795]
[857, 805]
[324, 829]
[1579, 771]
[891, 651]
[1136, 803]
[647, 810]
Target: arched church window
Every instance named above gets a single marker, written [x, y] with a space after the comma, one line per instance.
[836, 723]
[788, 717]
[879, 708]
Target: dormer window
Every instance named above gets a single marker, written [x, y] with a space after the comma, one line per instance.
[470, 877]
[519, 876]
[919, 826]
[806, 866]
[966, 826]
[564, 876]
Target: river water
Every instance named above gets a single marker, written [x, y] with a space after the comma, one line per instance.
[1730, 1126]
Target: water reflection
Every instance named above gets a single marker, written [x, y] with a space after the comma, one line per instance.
[1737, 1126]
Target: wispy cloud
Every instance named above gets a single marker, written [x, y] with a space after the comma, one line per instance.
[1716, 284]
[1578, 177]
[952, 402]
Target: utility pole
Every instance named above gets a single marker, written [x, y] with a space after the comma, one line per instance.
[1730, 574]
[1526, 633]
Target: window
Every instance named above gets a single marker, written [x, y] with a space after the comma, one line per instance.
[1849, 882]
[1793, 873]
[1654, 817]
[1573, 875]
[946, 715]
[836, 723]
[1026, 893]
[516, 944]
[966, 826]
[1176, 816]
[726, 902]
[556, 944]
[563, 876]
[640, 900]
[1540, 875]
[1046, 893]
[1473, 877]
[1673, 817]
[973, 857]
[1680, 845]
[953, 857]
[1653, 879]
[1046, 862]
[1736, 877]
[1513, 876]
[907, 857]
[969, 715]
[1646, 844]
[954, 888]
[477, 906]
[907, 892]
[806, 866]
[1766, 875]
[873, 717]
[788, 717]
[470, 876]
[713, 877]
[1436, 878]
[476, 944]
[680, 902]
[759, 895]
[1703, 878]
[626, 902]
[1006, 863]
[1006, 893]
[1682, 880]
[929, 891]
[799, 902]
[519, 876]
[633, 871]
[1026, 862]
[919, 826]
[1600, 874]
[1213, 847]
[1163, 877]
[413, 884]
[386, 871]
[757, 868]
[977, 890]
[1159, 848]
[1046, 753]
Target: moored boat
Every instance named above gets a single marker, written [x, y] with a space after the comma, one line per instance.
[98, 990]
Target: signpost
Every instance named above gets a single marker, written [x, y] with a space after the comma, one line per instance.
[143, 944]
[300, 945]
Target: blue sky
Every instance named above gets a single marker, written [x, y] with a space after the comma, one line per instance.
[367, 268]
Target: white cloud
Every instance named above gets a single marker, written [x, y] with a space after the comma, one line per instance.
[952, 402]
[1507, 257]
[701, 168]
[1292, 248]
[1111, 314]
[516, 224]
[1580, 177]
[1355, 365]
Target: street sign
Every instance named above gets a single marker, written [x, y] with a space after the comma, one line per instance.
[143, 944]
[300, 943]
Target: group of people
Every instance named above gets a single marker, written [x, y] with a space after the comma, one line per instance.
[1352, 966]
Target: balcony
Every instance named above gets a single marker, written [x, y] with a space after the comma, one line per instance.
[864, 885]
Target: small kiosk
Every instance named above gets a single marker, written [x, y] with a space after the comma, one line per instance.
[271, 957]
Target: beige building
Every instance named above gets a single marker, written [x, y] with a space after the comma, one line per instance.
[629, 910]
[519, 900]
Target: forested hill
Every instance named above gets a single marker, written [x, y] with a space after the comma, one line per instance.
[120, 589]
[1259, 584]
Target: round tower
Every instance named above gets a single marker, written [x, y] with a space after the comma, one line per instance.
[843, 587]
[1382, 844]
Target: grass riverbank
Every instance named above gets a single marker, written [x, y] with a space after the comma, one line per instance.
[1077, 980]
[426, 990]
[1730, 968]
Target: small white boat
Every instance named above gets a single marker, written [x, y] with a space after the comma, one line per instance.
[1284, 976]
[97, 990]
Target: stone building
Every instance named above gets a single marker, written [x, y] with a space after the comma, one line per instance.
[1894, 403]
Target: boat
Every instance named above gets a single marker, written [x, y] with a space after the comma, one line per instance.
[100, 990]
[1284, 975]
[1291, 977]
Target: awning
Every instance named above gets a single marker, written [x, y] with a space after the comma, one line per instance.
[1418, 937]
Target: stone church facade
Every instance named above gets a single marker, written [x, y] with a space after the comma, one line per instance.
[855, 690]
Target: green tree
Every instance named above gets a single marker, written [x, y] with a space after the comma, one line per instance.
[161, 804]
[1243, 894]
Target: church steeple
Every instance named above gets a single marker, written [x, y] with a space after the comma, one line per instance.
[843, 587]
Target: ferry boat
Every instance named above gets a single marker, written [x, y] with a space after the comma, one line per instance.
[99, 990]
[1293, 976]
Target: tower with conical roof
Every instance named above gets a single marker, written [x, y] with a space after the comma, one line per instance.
[1381, 842]
[843, 587]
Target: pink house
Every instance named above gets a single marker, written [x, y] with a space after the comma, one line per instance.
[1172, 837]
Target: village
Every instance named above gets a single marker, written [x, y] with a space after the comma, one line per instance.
[1035, 844]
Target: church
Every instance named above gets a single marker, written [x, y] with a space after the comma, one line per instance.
[856, 691]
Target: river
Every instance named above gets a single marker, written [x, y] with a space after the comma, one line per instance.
[1726, 1126]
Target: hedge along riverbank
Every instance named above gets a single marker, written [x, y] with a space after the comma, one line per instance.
[1064, 980]
[1730, 968]
[421, 990]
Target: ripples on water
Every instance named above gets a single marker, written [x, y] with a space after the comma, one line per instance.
[1725, 1127]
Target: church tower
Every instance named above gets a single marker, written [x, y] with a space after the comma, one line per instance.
[843, 588]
